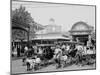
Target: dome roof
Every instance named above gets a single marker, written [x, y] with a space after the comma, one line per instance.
[79, 26]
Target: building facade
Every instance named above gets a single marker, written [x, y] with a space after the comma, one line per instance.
[81, 32]
[51, 32]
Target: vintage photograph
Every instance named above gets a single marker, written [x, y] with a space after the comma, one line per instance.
[52, 37]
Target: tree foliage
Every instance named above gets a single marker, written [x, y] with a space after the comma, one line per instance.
[21, 17]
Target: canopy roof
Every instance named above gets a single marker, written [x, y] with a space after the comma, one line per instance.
[52, 37]
[71, 42]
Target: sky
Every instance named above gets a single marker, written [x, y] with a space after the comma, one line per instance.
[64, 15]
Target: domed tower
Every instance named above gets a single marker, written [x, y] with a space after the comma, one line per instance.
[52, 27]
[52, 21]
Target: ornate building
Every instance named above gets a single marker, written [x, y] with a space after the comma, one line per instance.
[51, 32]
[81, 32]
[50, 28]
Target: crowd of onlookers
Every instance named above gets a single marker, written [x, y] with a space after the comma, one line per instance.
[56, 53]
[20, 50]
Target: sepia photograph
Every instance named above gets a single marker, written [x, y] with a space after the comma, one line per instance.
[52, 37]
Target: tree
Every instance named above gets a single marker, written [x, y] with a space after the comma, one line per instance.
[22, 18]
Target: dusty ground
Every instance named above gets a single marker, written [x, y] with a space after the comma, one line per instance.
[18, 68]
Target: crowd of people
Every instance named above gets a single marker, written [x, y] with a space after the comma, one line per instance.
[37, 56]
